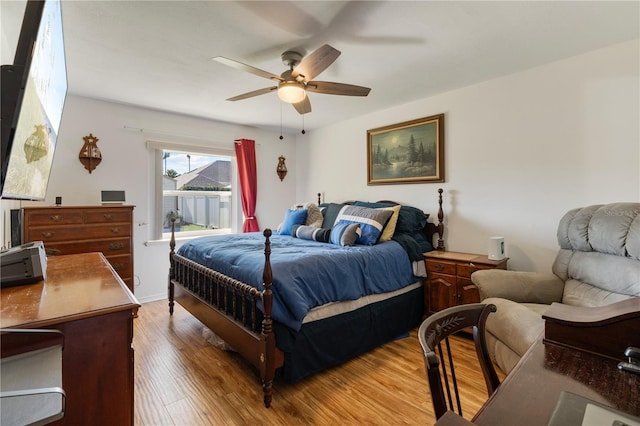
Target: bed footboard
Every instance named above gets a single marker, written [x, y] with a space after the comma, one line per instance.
[230, 308]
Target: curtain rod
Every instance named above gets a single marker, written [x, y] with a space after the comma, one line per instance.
[165, 133]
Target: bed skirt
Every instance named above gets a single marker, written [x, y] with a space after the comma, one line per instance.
[332, 341]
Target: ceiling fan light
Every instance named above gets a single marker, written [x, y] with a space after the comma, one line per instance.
[291, 92]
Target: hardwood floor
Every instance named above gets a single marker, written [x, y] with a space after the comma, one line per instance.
[180, 379]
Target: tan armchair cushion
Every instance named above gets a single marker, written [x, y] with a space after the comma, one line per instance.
[519, 286]
[517, 325]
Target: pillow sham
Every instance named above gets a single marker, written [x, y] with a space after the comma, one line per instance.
[292, 217]
[330, 214]
[411, 219]
[314, 215]
[372, 222]
[390, 227]
[313, 233]
[372, 205]
[345, 233]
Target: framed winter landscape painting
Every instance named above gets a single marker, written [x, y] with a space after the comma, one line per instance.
[409, 152]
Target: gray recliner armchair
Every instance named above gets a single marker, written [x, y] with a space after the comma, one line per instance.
[598, 264]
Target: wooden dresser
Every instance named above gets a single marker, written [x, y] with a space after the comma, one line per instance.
[87, 301]
[449, 278]
[85, 229]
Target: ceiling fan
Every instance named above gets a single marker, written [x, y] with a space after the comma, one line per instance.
[294, 83]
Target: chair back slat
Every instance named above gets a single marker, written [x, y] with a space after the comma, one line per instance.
[440, 372]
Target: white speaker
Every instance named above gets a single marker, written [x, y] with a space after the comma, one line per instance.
[496, 248]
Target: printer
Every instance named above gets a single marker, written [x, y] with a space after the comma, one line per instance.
[24, 264]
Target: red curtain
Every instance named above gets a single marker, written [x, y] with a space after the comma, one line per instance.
[246, 158]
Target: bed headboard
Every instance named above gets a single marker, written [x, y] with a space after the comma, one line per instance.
[431, 229]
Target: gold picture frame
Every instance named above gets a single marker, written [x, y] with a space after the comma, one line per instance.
[409, 152]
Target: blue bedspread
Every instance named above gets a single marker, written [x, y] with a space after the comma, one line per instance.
[306, 273]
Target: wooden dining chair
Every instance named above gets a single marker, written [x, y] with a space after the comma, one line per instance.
[434, 332]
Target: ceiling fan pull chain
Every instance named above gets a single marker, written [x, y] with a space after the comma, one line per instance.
[281, 137]
[303, 131]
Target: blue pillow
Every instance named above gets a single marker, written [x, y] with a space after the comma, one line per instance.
[292, 217]
[345, 233]
[411, 219]
[371, 221]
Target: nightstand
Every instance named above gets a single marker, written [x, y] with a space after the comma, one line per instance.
[448, 280]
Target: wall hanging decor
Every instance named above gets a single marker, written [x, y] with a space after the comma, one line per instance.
[409, 152]
[90, 156]
[281, 168]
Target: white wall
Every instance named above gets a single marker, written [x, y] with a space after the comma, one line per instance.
[520, 151]
[127, 165]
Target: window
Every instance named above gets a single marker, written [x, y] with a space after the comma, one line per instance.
[194, 186]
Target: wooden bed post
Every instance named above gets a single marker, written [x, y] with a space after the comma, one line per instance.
[440, 225]
[172, 246]
[267, 358]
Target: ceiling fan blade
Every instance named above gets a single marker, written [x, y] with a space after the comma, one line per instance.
[304, 106]
[330, 88]
[247, 68]
[318, 61]
[254, 93]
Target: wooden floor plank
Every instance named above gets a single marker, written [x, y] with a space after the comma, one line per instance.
[181, 379]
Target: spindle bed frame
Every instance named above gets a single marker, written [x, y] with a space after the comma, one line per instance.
[229, 307]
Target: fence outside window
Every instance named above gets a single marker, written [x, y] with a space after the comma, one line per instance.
[196, 211]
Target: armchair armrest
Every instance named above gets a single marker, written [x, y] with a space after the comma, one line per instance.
[519, 286]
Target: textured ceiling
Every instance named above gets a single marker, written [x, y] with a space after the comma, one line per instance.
[157, 54]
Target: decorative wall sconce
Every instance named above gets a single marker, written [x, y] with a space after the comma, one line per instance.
[37, 144]
[90, 156]
[281, 168]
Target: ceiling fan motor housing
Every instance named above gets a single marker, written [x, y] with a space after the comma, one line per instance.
[291, 58]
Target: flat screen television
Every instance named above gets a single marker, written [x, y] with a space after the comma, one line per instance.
[34, 89]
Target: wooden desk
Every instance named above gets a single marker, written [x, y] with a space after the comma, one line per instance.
[530, 392]
[85, 299]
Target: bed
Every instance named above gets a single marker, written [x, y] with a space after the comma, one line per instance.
[284, 303]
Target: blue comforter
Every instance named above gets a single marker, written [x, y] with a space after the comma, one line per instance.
[306, 273]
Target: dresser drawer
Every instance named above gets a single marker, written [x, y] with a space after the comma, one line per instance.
[108, 247]
[107, 216]
[85, 229]
[441, 267]
[123, 265]
[75, 233]
[62, 217]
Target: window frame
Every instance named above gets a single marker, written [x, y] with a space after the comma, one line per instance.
[156, 220]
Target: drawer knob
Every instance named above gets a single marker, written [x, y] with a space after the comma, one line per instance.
[47, 234]
[116, 246]
[117, 266]
[439, 267]
[55, 217]
[107, 216]
[115, 230]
